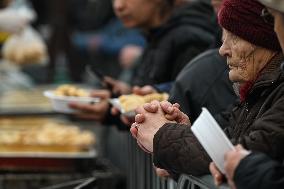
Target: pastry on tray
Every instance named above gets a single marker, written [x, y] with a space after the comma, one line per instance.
[50, 137]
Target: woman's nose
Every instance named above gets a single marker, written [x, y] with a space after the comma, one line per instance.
[118, 5]
[224, 51]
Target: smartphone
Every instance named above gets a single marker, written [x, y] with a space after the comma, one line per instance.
[94, 72]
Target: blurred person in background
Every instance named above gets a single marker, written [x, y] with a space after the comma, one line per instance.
[99, 38]
[204, 82]
[176, 32]
[60, 20]
[245, 169]
[105, 45]
[254, 57]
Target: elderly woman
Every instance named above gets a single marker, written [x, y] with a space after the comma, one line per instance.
[256, 170]
[254, 57]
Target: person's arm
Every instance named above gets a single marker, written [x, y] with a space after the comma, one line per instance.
[267, 132]
[176, 149]
[115, 36]
[173, 145]
[259, 171]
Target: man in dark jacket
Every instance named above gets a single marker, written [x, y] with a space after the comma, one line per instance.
[216, 92]
[256, 122]
[186, 34]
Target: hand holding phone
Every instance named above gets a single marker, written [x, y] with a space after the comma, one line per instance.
[105, 81]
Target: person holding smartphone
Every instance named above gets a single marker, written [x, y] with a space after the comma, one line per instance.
[176, 31]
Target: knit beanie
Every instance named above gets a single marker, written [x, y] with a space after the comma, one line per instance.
[242, 18]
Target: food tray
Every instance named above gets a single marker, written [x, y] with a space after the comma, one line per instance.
[51, 155]
[46, 161]
[24, 102]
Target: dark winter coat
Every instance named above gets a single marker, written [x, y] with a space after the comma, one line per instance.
[259, 171]
[256, 123]
[188, 32]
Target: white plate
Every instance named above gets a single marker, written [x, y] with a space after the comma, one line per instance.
[61, 103]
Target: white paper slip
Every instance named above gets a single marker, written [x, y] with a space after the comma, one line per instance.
[212, 138]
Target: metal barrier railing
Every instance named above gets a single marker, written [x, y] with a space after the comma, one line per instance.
[190, 182]
[140, 170]
[141, 174]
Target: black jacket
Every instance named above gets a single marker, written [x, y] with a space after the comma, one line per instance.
[256, 123]
[216, 91]
[188, 32]
[259, 171]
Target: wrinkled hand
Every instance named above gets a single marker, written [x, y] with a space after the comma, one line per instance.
[171, 111]
[117, 87]
[217, 175]
[232, 160]
[144, 132]
[96, 111]
[145, 90]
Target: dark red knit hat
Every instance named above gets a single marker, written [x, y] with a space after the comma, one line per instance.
[242, 18]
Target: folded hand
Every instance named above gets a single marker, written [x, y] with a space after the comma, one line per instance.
[145, 131]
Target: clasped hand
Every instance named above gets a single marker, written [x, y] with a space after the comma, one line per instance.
[151, 117]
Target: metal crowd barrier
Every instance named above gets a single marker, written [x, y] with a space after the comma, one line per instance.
[140, 170]
[141, 174]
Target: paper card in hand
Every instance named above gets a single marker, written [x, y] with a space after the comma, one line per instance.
[212, 138]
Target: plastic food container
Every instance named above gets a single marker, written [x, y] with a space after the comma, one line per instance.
[61, 103]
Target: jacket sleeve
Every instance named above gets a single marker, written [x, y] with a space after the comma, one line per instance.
[177, 150]
[259, 171]
[267, 132]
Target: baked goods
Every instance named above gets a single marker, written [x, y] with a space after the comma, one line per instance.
[50, 137]
[25, 48]
[156, 96]
[70, 90]
[131, 102]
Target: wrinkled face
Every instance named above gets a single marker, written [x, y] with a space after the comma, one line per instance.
[244, 59]
[279, 26]
[138, 13]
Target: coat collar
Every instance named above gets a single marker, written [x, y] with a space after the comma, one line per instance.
[270, 75]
